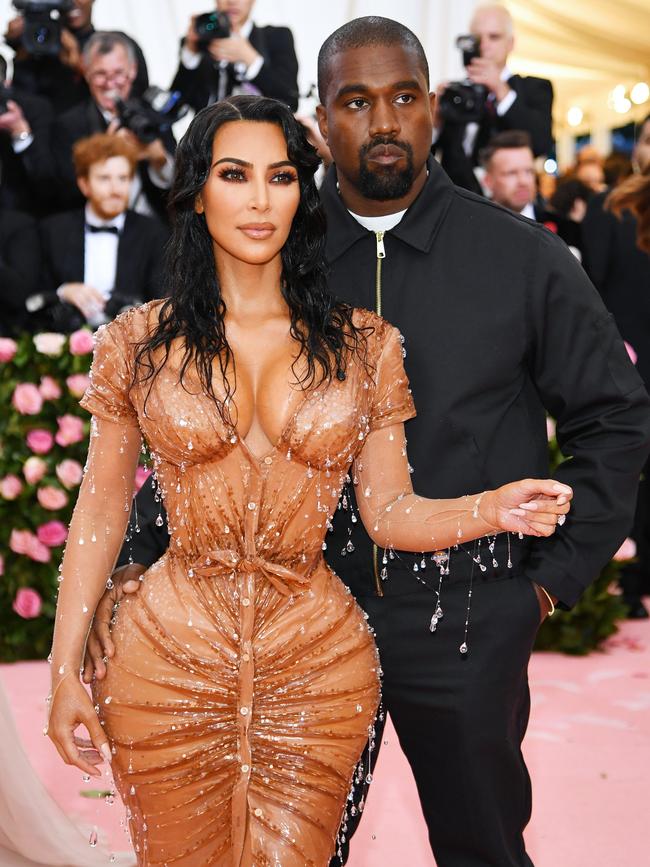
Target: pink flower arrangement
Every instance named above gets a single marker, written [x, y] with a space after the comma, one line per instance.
[49, 343]
[141, 476]
[27, 603]
[34, 469]
[51, 498]
[49, 388]
[78, 383]
[19, 541]
[52, 534]
[26, 543]
[71, 430]
[81, 342]
[10, 487]
[40, 441]
[8, 348]
[627, 551]
[69, 473]
[27, 399]
[2, 565]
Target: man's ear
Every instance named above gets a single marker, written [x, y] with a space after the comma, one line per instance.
[84, 186]
[321, 117]
[198, 205]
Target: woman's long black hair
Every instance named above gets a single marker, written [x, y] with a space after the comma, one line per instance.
[194, 308]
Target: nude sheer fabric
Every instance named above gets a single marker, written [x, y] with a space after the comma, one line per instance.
[245, 678]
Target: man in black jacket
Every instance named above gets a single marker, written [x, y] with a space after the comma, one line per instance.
[19, 268]
[251, 60]
[110, 68]
[492, 341]
[60, 80]
[513, 101]
[99, 259]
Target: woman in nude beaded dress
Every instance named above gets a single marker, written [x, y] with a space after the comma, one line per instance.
[245, 680]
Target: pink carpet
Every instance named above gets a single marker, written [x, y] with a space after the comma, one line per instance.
[588, 750]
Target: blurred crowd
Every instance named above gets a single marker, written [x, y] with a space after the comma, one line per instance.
[87, 159]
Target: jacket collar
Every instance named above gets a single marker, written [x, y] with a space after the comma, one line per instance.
[417, 228]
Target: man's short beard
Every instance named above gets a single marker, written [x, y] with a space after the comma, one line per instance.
[385, 184]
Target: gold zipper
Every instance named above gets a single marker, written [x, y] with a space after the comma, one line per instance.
[381, 254]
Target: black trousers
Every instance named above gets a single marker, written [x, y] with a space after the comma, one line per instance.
[635, 577]
[460, 719]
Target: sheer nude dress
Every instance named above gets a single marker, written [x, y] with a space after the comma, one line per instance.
[245, 678]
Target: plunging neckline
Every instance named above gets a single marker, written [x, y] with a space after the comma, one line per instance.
[284, 433]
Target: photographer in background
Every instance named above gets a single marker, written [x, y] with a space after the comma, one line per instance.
[102, 258]
[110, 66]
[224, 53]
[51, 66]
[25, 153]
[510, 101]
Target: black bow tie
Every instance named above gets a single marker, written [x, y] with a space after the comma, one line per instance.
[113, 230]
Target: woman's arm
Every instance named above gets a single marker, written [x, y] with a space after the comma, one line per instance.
[395, 517]
[95, 538]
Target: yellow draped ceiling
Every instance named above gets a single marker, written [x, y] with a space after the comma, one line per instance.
[586, 48]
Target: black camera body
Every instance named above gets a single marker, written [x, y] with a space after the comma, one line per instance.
[463, 101]
[43, 25]
[152, 114]
[211, 25]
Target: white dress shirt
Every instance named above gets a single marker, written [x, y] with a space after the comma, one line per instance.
[191, 59]
[471, 130]
[100, 256]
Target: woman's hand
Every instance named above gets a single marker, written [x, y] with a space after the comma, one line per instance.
[533, 507]
[71, 706]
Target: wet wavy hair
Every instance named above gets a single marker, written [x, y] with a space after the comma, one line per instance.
[194, 309]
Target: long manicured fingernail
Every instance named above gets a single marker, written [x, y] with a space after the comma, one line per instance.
[105, 750]
[561, 501]
[519, 512]
[563, 489]
[529, 507]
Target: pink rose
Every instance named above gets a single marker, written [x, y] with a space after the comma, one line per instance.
[40, 441]
[49, 343]
[627, 551]
[52, 534]
[27, 603]
[37, 550]
[10, 487]
[19, 541]
[81, 342]
[630, 352]
[27, 399]
[141, 476]
[78, 383]
[550, 428]
[2, 565]
[69, 473]
[34, 469]
[8, 348]
[51, 498]
[49, 388]
[71, 430]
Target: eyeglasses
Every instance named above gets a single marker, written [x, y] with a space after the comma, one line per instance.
[118, 76]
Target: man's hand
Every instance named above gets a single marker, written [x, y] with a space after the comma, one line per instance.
[15, 29]
[486, 72]
[70, 54]
[99, 646]
[234, 49]
[84, 297]
[13, 120]
[152, 152]
[438, 119]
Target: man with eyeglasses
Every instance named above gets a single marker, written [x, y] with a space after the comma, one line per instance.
[110, 69]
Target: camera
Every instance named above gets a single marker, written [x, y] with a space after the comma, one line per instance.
[150, 115]
[5, 95]
[211, 25]
[43, 25]
[463, 101]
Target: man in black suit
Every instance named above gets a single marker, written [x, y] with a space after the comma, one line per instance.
[110, 68]
[102, 258]
[500, 323]
[251, 60]
[513, 101]
[19, 268]
[25, 152]
[60, 79]
[511, 182]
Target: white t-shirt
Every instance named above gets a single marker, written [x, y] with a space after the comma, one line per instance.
[378, 224]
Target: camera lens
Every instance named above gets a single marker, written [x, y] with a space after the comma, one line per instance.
[42, 35]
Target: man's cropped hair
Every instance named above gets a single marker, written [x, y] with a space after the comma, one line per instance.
[101, 147]
[372, 30]
[103, 42]
[508, 140]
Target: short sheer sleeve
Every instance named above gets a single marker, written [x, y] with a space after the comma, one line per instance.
[107, 396]
[392, 402]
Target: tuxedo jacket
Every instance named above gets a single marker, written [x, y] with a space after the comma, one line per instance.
[621, 273]
[19, 268]
[278, 77]
[139, 254]
[501, 325]
[79, 122]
